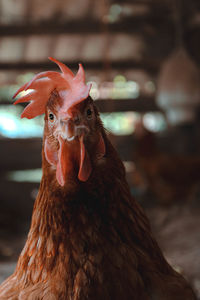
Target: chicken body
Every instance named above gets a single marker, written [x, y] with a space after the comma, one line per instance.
[93, 243]
[172, 178]
[89, 239]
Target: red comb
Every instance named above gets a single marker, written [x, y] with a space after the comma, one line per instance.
[71, 88]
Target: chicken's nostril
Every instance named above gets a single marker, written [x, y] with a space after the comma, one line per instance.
[76, 120]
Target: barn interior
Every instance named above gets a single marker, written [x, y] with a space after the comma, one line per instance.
[142, 58]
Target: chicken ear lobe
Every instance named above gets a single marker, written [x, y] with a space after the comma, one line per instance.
[85, 167]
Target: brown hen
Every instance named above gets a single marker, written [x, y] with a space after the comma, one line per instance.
[88, 238]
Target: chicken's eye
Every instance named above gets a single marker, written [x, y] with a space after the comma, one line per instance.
[51, 117]
[89, 113]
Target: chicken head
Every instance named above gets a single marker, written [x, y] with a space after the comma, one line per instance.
[71, 140]
[72, 134]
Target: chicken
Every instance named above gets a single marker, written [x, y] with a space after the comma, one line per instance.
[88, 238]
[171, 178]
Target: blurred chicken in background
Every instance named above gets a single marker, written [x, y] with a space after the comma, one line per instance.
[170, 177]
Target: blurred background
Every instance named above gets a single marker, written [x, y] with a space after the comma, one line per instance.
[142, 58]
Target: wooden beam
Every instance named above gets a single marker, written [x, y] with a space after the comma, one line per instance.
[141, 104]
[85, 26]
[151, 66]
[13, 155]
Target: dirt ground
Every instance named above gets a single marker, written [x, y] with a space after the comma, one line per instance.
[177, 230]
[178, 233]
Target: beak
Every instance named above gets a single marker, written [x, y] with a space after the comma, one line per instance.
[72, 128]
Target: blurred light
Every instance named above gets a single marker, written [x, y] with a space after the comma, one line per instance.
[106, 89]
[113, 15]
[111, 19]
[124, 89]
[7, 124]
[13, 127]
[119, 88]
[94, 79]
[133, 89]
[178, 87]
[115, 10]
[119, 123]
[25, 175]
[23, 78]
[94, 92]
[7, 92]
[129, 166]
[119, 78]
[150, 87]
[154, 122]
